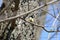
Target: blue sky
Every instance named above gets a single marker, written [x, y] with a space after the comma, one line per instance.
[44, 34]
[0, 2]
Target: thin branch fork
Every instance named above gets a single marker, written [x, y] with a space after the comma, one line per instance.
[51, 14]
[40, 26]
[7, 19]
[30, 12]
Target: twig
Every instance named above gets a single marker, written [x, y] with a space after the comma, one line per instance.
[27, 12]
[40, 26]
[6, 7]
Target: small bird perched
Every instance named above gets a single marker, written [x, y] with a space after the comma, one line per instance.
[30, 19]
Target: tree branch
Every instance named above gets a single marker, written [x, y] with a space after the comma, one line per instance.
[40, 26]
[29, 12]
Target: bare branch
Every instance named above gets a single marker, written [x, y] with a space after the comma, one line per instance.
[27, 12]
[41, 26]
[6, 7]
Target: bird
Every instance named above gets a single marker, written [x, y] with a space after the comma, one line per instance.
[30, 19]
